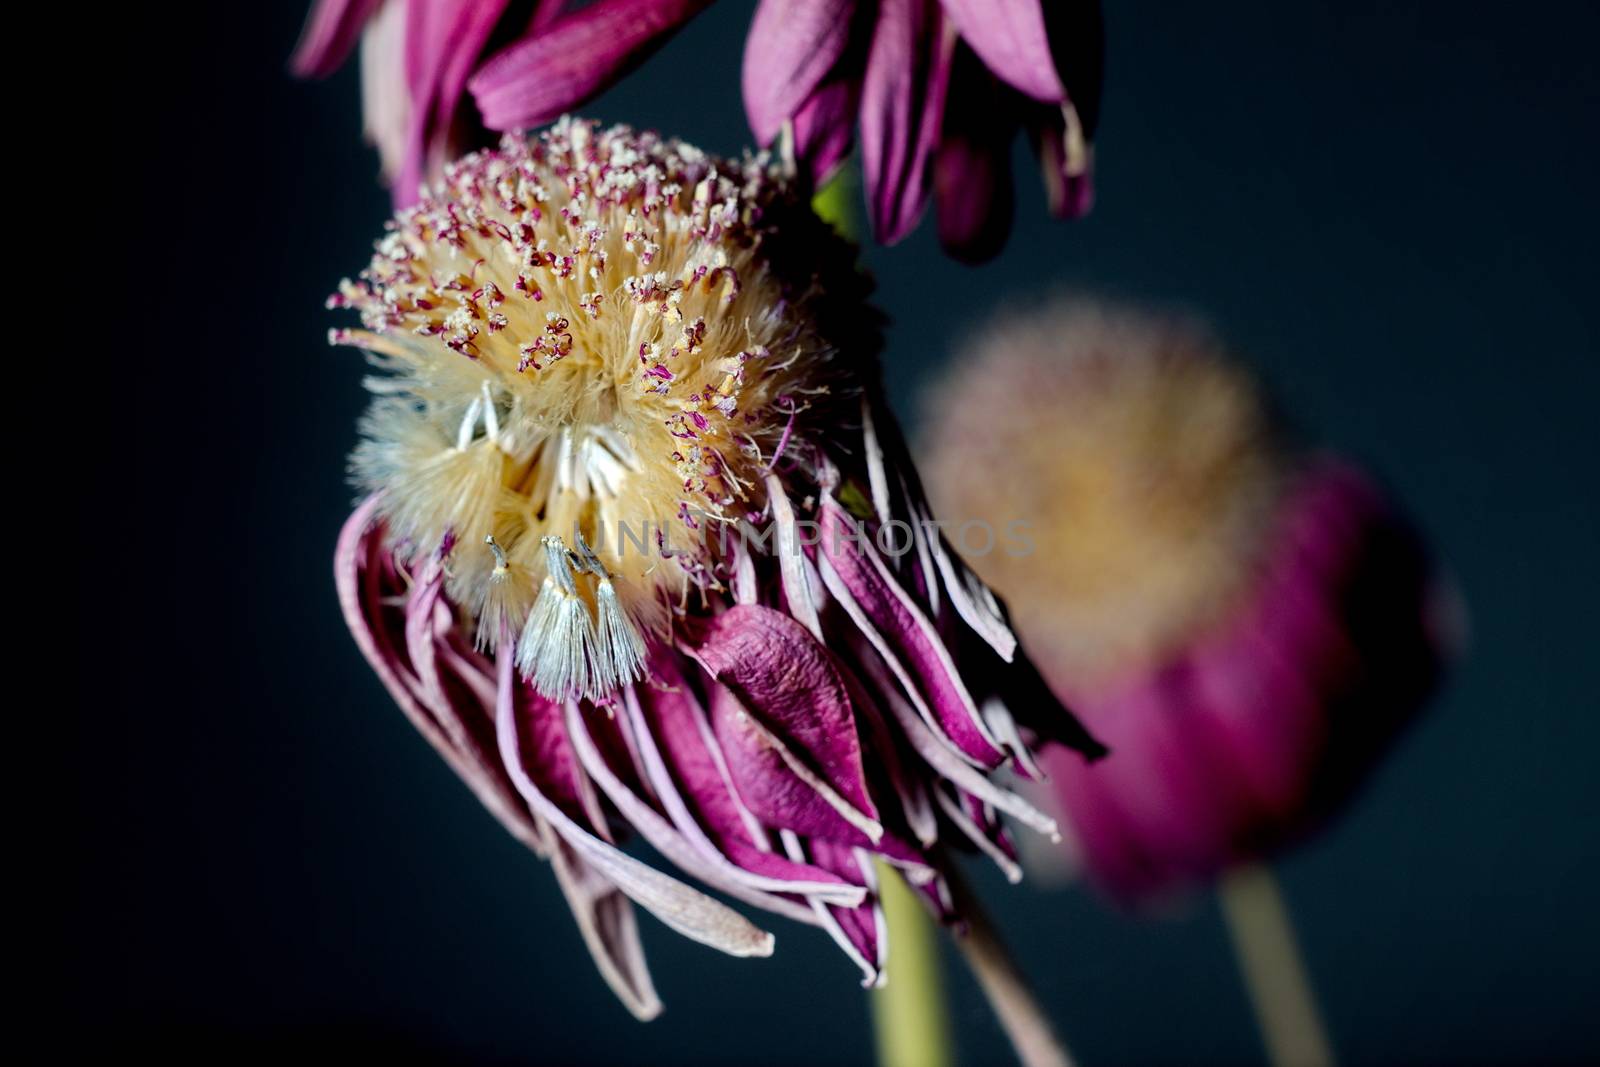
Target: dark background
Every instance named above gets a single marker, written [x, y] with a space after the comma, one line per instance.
[1389, 207]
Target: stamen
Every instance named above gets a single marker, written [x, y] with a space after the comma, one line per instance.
[558, 640]
[500, 565]
[619, 650]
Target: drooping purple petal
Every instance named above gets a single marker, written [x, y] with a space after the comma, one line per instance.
[708, 866]
[902, 104]
[608, 926]
[685, 910]
[1011, 39]
[781, 694]
[939, 754]
[972, 171]
[359, 566]
[791, 47]
[824, 127]
[330, 34]
[704, 808]
[573, 58]
[863, 926]
[910, 637]
[385, 92]
[443, 42]
[972, 599]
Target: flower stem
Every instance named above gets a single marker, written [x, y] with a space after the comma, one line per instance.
[908, 1012]
[1020, 1014]
[1274, 975]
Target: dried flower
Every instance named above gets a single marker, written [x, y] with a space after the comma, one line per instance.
[624, 562]
[1245, 627]
[940, 88]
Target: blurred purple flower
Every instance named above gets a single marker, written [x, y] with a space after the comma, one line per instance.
[1244, 627]
[940, 88]
[601, 328]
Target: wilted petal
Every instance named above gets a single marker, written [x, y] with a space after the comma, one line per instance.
[606, 921]
[972, 171]
[791, 48]
[824, 127]
[359, 565]
[911, 638]
[1011, 39]
[902, 104]
[708, 866]
[937, 752]
[784, 697]
[443, 42]
[385, 93]
[329, 35]
[984, 835]
[574, 58]
[972, 599]
[862, 928]
[687, 911]
[705, 811]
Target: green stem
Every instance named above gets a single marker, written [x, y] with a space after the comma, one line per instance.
[908, 1011]
[1274, 975]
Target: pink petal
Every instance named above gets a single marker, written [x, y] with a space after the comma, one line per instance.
[972, 171]
[824, 127]
[685, 910]
[1011, 39]
[610, 931]
[329, 35]
[911, 637]
[785, 699]
[708, 866]
[791, 47]
[443, 42]
[902, 103]
[364, 591]
[536, 79]
[705, 810]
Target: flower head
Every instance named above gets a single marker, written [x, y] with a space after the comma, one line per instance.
[1245, 626]
[622, 557]
[940, 88]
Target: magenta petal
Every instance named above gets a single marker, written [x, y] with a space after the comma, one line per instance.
[972, 171]
[824, 127]
[779, 672]
[791, 47]
[913, 641]
[685, 910]
[698, 779]
[550, 760]
[329, 35]
[536, 79]
[862, 927]
[902, 104]
[608, 925]
[366, 584]
[1011, 39]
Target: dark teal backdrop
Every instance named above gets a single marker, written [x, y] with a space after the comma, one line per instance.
[1389, 207]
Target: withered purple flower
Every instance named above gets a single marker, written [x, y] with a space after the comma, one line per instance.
[642, 550]
[1245, 625]
[939, 88]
